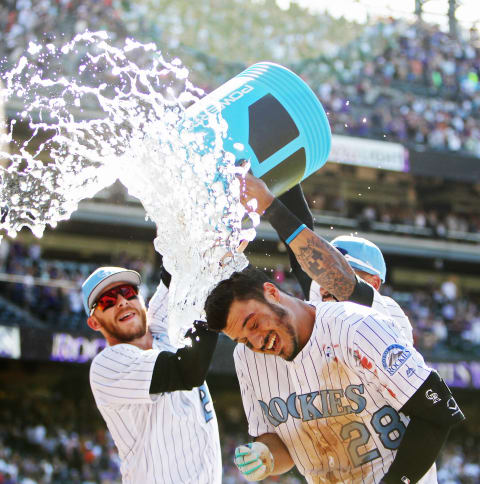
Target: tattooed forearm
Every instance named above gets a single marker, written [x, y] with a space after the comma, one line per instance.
[324, 264]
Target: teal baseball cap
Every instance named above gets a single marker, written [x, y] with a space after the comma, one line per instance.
[102, 277]
[362, 254]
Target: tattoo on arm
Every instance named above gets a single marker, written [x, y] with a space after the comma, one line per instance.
[325, 265]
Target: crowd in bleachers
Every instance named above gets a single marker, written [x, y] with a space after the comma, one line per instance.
[460, 461]
[41, 446]
[52, 21]
[50, 441]
[442, 318]
[45, 441]
[412, 83]
[422, 88]
[394, 115]
[38, 446]
[429, 222]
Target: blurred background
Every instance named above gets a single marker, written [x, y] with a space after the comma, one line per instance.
[400, 84]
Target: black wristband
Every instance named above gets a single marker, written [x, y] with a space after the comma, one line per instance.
[362, 293]
[282, 220]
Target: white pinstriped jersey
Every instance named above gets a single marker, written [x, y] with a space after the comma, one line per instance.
[383, 304]
[166, 438]
[335, 406]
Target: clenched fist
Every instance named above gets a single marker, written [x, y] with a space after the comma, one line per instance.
[254, 460]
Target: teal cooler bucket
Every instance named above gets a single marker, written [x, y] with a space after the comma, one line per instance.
[278, 120]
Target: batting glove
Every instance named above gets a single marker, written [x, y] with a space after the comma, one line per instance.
[254, 461]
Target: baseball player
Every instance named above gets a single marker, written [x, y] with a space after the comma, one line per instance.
[368, 269]
[328, 386]
[152, 395]
[367, 261]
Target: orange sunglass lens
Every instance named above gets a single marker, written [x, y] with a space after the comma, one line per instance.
[109, 299]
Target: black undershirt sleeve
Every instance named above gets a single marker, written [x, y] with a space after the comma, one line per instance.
[420, 447]
[433, 411]
[188, 367]
[295, 201]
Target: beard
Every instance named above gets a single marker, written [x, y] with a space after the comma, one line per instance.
[286, 325]
[126, 335]
[329, 298]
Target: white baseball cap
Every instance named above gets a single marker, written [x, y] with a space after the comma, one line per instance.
[102, 277]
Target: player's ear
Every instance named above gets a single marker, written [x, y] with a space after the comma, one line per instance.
[271, 292]
[372, 279]
[94, 323]
[375, 281]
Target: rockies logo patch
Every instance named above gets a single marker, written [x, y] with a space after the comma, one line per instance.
[431, 395]
[394, 357]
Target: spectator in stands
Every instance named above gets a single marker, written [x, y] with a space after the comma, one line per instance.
[443, 71]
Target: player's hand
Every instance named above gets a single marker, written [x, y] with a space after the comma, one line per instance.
[254, 460]
[229, 255]
[255, 188]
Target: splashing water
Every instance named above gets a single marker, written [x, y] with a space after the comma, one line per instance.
[123, 116]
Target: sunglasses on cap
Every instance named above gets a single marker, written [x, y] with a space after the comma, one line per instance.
[109, 299]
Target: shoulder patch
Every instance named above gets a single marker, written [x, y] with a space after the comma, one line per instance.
[394, 357]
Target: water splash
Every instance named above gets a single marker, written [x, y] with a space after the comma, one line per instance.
[122, 115]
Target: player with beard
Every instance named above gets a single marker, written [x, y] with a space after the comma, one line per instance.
[310, 385]
[348, 268]
[334, 388]
[153, 396]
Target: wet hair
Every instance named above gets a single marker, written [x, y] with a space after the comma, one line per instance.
[240, 286]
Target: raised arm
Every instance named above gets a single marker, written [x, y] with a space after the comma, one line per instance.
[188, 367]
[296, 203]
[320, 260]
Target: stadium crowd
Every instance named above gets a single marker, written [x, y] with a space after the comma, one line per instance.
[422, 88]
[51, 290]
[52, 21]
[398, 81]
[430, 222]
[69, 445]
[443, 318]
